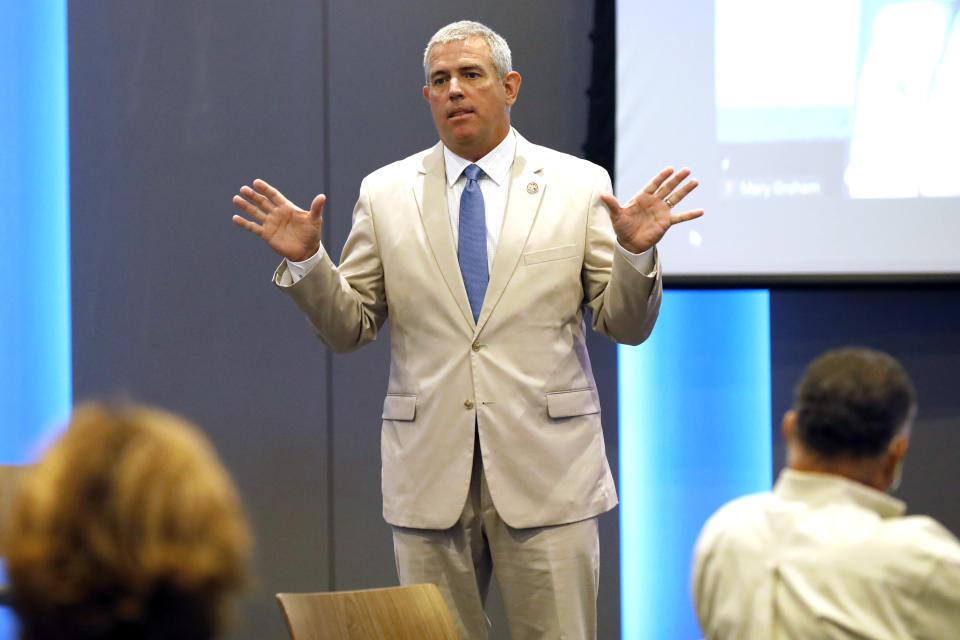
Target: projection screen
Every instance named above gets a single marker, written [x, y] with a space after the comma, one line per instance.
[825, 133]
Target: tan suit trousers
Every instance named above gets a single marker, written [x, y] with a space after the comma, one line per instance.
[547, 576]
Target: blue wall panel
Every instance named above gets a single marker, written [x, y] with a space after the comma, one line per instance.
[35, 380]
[695, 432]
[35, 386]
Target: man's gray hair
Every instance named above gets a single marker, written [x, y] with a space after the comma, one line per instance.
[466, 29]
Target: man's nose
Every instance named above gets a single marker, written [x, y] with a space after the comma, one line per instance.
[455, 87]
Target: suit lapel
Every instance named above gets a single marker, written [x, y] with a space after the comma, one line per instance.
[527, 187]
[431, 195]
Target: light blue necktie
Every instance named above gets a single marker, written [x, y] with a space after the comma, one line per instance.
[472, 240]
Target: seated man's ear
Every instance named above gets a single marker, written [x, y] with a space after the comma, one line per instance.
[898, 446]
[789, 425]
[897, 449]
[893, 463]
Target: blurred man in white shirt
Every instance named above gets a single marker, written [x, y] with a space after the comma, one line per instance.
[828, 554]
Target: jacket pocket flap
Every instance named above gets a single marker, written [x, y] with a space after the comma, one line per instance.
[399, 407]
[546, 255]
[563, 404]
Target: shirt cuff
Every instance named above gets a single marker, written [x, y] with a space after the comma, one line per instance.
[302, 268]
[642, 262]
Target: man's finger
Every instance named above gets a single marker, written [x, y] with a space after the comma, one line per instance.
[684, 190]
[243, 223]
[658, 179]
[612, 203]
[677, 218]
[316, 208]
[251, 210]
[264, 187]
[257, 198]
[667, 187]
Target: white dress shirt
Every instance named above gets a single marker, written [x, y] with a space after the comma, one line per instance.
[495, 187]
[825, 557]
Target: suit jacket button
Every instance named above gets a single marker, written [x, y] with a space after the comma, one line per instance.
[476, 346]
[468, 403]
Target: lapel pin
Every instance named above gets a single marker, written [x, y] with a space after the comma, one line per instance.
[533, 188]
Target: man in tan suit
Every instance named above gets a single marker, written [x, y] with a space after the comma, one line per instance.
[492, 449]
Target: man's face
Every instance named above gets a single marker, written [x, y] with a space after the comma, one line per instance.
[469, 103]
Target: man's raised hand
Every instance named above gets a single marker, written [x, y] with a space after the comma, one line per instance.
[645, 218]
[285, 227]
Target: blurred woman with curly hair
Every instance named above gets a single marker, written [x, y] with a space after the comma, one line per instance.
[128, 528]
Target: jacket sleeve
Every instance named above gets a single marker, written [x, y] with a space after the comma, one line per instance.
[346, 304]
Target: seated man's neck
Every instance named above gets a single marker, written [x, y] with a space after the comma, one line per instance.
[865, 470]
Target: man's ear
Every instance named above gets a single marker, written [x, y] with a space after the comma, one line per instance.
[898, 448]
[893, 462]
[426, 93]
[511, 86]
[789, 425]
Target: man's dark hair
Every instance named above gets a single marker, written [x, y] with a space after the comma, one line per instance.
[852, 402]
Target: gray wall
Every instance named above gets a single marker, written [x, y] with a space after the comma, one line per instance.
[174, 105]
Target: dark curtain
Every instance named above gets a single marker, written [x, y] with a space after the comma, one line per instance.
[600, 146]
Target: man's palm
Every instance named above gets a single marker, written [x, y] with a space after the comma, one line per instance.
[642, 221]
[289, 230]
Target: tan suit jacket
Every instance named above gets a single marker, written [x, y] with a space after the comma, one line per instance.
[521, 374]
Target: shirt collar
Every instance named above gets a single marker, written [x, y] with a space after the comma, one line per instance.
[829, 488]
[496, 164]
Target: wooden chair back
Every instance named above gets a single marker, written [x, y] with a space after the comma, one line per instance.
[415, 612]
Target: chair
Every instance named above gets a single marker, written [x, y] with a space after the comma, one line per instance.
[415, 612]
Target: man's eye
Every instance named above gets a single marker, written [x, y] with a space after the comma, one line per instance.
[473, 75]
[438, 81]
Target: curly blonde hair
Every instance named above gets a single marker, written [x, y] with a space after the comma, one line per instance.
[129, 527]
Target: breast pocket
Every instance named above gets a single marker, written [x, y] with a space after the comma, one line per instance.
[550, 255]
